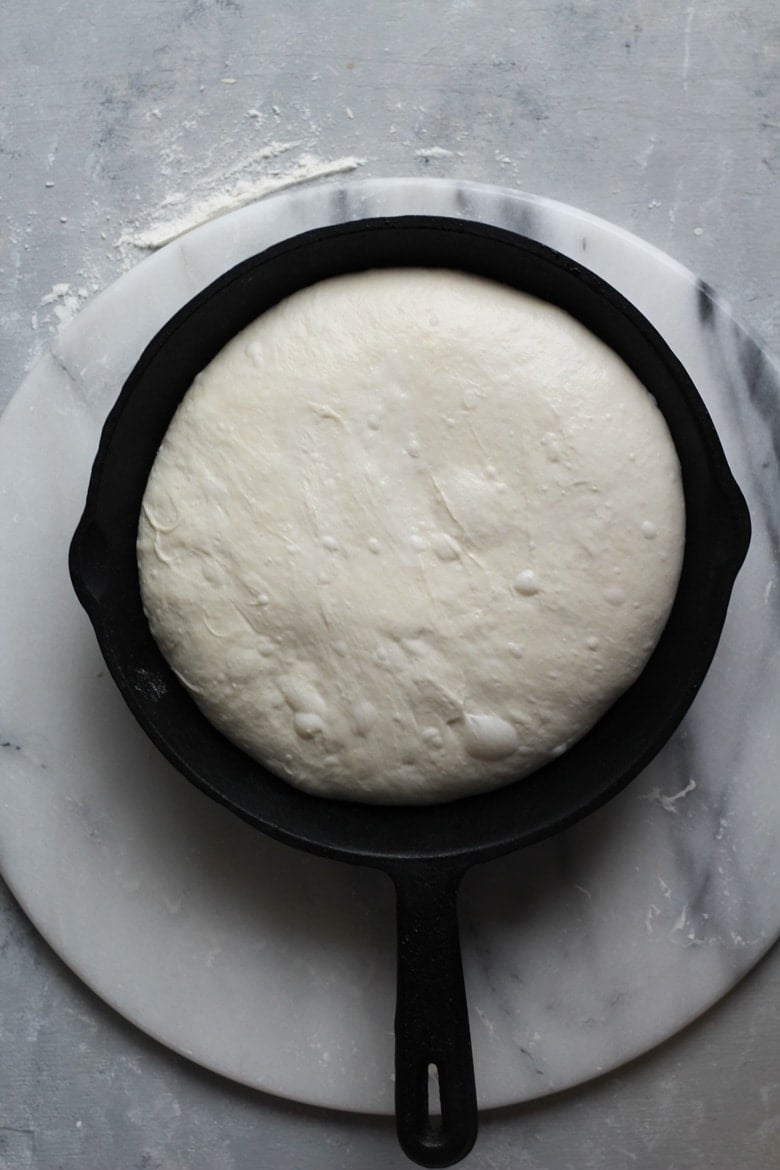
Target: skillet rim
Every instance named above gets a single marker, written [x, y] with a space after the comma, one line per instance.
[91, 562]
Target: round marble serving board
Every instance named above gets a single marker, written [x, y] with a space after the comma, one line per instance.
[276, 968]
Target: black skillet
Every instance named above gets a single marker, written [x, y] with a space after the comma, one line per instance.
[424, 850]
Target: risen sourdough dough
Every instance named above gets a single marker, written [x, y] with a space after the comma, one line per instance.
[410, 534]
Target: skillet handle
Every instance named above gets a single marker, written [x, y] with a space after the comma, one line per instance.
[431, 1020]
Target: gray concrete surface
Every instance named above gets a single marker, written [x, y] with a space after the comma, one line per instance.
[663, 119]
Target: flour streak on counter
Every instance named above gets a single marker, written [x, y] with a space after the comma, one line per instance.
[228, 195]
[64, 302]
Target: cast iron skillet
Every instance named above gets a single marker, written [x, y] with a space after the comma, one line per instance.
[424, 850]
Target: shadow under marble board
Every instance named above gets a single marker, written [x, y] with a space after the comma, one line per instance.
[276, 968]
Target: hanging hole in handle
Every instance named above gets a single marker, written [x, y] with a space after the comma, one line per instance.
[434, 1097]
[434, 1120]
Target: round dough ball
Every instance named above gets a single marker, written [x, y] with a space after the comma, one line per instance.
[410, 534]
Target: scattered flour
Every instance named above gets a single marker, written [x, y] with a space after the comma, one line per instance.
[65, 302]
[668, 803]
[434, 152]
[200, 186]
[58, 292]
[274, 149]
[238, 193]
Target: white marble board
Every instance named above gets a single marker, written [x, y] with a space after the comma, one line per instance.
[276, 968]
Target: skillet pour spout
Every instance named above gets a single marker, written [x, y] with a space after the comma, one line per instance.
[424, 849]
